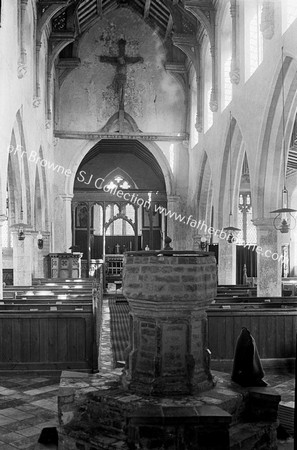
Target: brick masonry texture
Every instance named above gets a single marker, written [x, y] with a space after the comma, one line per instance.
[170, 277]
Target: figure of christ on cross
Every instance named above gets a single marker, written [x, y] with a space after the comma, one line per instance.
[121, 61]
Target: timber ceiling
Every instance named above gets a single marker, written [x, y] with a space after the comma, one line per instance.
[125, 146]
[165, 16]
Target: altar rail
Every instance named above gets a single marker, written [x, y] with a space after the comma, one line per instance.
[272, 325]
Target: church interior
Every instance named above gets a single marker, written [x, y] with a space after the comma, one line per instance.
[148, 224]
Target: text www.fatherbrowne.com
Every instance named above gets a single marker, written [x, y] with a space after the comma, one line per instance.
[221, 234]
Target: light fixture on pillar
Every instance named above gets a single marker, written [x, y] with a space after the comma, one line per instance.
[230, 229]
[20, 226]
[39, 240]
[21, 234]
[284, 219]
[204, 242]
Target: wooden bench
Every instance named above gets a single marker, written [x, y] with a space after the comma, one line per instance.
[24, 306]
[50, 331]
[272, 324]
[235, 299]
[48, 341]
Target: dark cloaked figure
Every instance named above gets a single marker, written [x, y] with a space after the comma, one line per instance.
[247, 367]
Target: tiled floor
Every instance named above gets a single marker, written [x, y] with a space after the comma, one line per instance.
[29, 404]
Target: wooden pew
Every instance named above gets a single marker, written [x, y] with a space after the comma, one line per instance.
[273, 325]
[236, 290]
[45, 333]
[234, 299]
[46, 341]
[41, 306]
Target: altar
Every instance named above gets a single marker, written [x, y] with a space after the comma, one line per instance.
[64, 265]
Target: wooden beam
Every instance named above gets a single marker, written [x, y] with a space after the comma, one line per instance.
[169, 27]
[99, 8]
[147, 8]
[172, 137]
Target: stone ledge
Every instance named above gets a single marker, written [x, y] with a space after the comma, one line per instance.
[100, 402]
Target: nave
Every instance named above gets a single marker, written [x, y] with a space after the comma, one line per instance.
[29, 403]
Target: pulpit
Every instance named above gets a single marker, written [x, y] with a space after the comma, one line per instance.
[65, 265]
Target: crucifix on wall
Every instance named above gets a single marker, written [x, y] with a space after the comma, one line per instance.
[121, 62]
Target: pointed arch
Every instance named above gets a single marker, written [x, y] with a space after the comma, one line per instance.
[271, 156]
[234, 148]
[120, 172]
[152, 147]
[205, 190]
[18, 174]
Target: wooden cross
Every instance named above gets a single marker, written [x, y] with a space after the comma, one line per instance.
[121, 61]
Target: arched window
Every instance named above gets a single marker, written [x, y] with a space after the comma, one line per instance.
[118, 182]
[248, 231]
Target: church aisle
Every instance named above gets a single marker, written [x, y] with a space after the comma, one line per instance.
[29, 404]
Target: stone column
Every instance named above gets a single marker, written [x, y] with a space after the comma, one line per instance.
[37, 98]
[3, 218]
[234, 74]
[173, 226]
[67, 235]
[268, 263]
[227, 262]
[197, 242]
[39, 254]
[22, 62]
[267, 19]
[22, 259]
[214, 90]
[200, 91]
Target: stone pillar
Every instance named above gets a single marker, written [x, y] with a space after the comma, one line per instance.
[22, 62]
[67, 243]
[234, 74]
[22, 259]
[214, 90]
[3, 218]
[200, 91]
[168, 295]
[227, 262]
[267, 19]
[268, 263]
[197, 242]
[173, 226]
[39, 254]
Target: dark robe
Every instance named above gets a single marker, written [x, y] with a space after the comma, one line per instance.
[247, 367]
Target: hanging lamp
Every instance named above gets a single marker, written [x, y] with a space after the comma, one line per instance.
[284, 219]
[230, 229]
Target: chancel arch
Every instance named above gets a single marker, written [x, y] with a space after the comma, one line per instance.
[118, 189]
